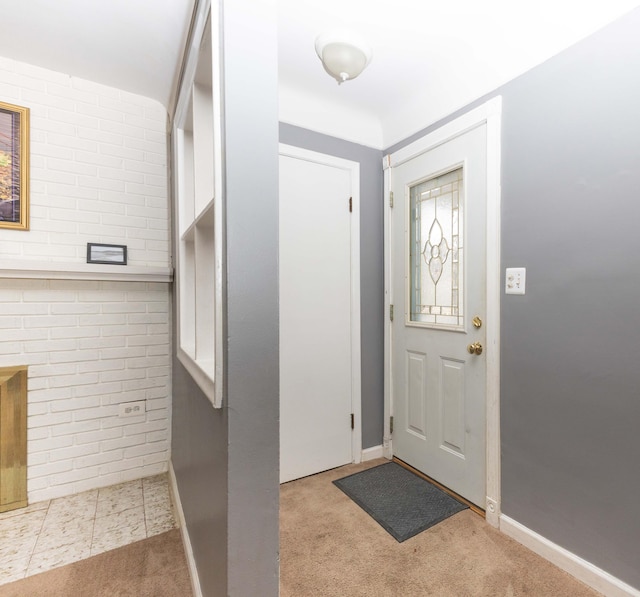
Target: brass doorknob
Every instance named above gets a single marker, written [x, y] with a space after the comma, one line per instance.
[475, 348]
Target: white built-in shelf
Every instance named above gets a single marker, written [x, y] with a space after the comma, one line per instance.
[198, 192]
[204, 220]
[49, 270]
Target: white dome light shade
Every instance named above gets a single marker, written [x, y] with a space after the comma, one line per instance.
[343, 57]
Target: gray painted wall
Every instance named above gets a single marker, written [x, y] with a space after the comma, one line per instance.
[371, 272]
[199, 458]
[226, 461]
[252, 359]
[570, 375]
[570, 401]
[569, 387]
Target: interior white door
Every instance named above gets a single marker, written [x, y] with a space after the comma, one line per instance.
[315, 318]
[438, 261]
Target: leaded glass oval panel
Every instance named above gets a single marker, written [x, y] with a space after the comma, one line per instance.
[436, 251]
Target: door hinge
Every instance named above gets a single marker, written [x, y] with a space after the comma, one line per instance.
[391, 199]
[353, 421]
[350, 204]
[390, 312]
[391, 425]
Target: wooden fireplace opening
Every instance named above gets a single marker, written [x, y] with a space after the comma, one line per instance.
[13, 438]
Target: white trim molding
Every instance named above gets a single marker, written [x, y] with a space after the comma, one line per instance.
[372, 453]
[584, 571]
[489, 114]
[387, 440]
[186, 542]
[47, 270]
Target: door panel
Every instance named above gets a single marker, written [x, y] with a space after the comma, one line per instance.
[452, 405]
[416, 394]
[438, 254]
[315, 318]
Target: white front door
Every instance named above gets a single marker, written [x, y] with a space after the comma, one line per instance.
[438, 356]
[317, 369]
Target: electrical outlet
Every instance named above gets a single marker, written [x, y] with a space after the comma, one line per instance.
[132, 409]
[515, 278]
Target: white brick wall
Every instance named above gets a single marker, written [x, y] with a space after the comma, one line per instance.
[98, 169]
[98, 174]
[90, 346]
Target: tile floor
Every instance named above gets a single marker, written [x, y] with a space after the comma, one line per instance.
[49, 534]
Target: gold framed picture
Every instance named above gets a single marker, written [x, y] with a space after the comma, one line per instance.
[14, 167]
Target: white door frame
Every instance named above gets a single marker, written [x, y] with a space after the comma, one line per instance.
[356, 372]
[489, 114]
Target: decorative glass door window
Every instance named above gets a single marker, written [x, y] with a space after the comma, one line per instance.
[436, 262]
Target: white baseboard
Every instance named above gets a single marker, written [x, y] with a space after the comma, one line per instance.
[584, 571]
[372, 453]
[188, 552]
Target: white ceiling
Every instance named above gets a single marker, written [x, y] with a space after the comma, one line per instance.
[135, 45]
[429, 58]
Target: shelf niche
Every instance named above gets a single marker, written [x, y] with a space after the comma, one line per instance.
[198, 202]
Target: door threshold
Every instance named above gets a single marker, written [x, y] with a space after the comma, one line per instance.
[448, 491]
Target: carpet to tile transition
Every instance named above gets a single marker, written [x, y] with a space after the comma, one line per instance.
[153, 567]
[400, 501]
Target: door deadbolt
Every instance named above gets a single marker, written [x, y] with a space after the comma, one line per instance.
[477, 322]
[475, 348]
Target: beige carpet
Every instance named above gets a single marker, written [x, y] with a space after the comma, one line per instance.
[154, 567]
[331, 547]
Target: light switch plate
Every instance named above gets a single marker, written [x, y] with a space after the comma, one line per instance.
[515, 279]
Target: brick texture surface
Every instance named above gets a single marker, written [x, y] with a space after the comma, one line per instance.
[98, 169]
[79, 379]
[98, 174]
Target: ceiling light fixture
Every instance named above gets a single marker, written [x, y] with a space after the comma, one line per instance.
[343, 55]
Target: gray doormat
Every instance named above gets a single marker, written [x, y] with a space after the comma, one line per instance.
[400, 501]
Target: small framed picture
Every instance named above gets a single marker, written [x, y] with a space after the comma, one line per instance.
[109, 254]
